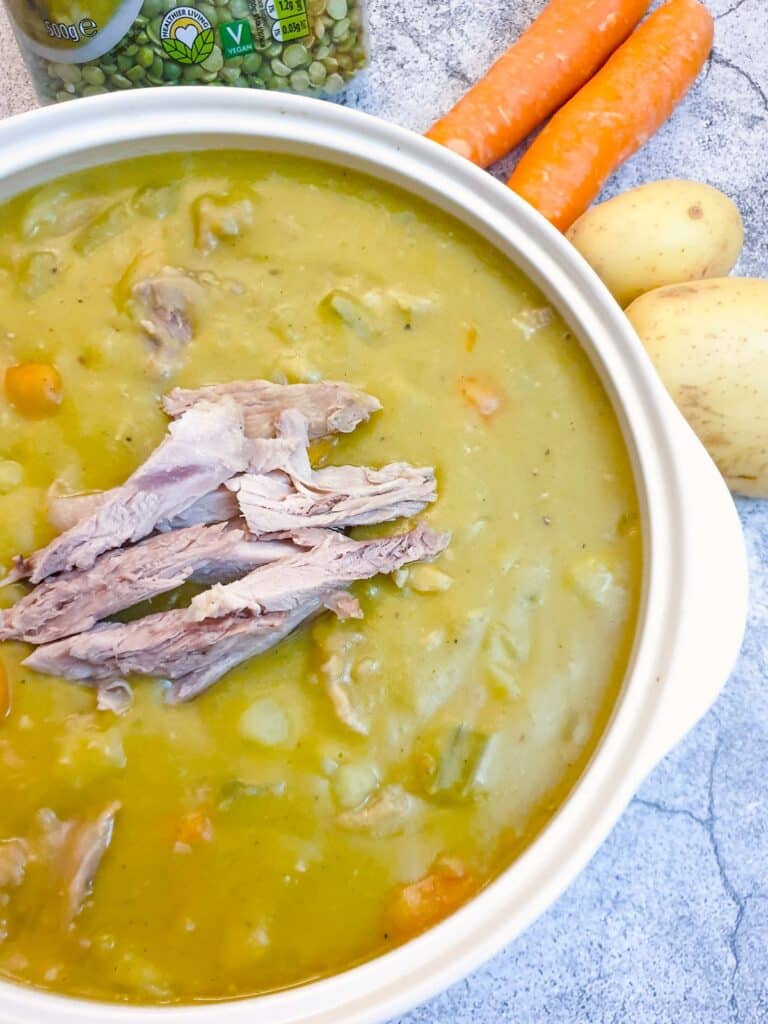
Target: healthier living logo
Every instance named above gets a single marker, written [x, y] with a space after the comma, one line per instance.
[187, 35]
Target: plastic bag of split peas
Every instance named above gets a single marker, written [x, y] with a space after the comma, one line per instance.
[86, 47]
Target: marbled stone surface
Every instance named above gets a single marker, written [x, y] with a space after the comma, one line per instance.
[669, 923]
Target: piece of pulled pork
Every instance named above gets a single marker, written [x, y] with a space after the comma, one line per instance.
[70, 852]
[295, 496]
[329, 407]
[203, 449]
[176, 519]
[14, 854]
[165, 306]
[332, 563]
[84, 844]
[64, 510]
[195, 646]
[72, 602]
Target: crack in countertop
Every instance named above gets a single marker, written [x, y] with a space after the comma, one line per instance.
[708, 824]
[720, 61]
[731, 10]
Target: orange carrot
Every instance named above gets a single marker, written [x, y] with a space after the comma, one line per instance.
[34, 388]
[560, 51]
[418, 906]
[483, 397]
[194, 827]
[614, 114]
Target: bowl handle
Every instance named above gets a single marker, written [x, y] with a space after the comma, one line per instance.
[711, 566]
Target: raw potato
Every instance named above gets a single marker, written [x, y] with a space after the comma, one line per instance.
[709, 342]
[662, 233]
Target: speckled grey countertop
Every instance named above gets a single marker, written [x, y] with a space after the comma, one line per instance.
[669, 923]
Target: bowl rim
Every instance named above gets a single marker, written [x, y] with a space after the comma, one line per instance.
[51, 142]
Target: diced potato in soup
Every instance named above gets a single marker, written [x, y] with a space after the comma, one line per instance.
[333, 796]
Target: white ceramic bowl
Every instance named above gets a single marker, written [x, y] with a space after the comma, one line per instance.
[695, 578]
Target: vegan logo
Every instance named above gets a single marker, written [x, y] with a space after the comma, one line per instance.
[187, 35]
[236, 38]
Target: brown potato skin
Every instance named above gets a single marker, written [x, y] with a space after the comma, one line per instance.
[709, 342]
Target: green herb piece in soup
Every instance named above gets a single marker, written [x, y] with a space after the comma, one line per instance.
[455, 768]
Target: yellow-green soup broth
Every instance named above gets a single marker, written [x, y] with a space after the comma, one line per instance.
[260, 842]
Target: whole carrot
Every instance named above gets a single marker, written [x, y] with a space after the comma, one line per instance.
[616, 113]
[560, 51]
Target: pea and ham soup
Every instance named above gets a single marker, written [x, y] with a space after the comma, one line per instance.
[290, 673]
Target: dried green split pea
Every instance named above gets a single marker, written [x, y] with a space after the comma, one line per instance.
[320, 64]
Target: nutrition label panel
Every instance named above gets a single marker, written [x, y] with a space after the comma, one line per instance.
[280, 20]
